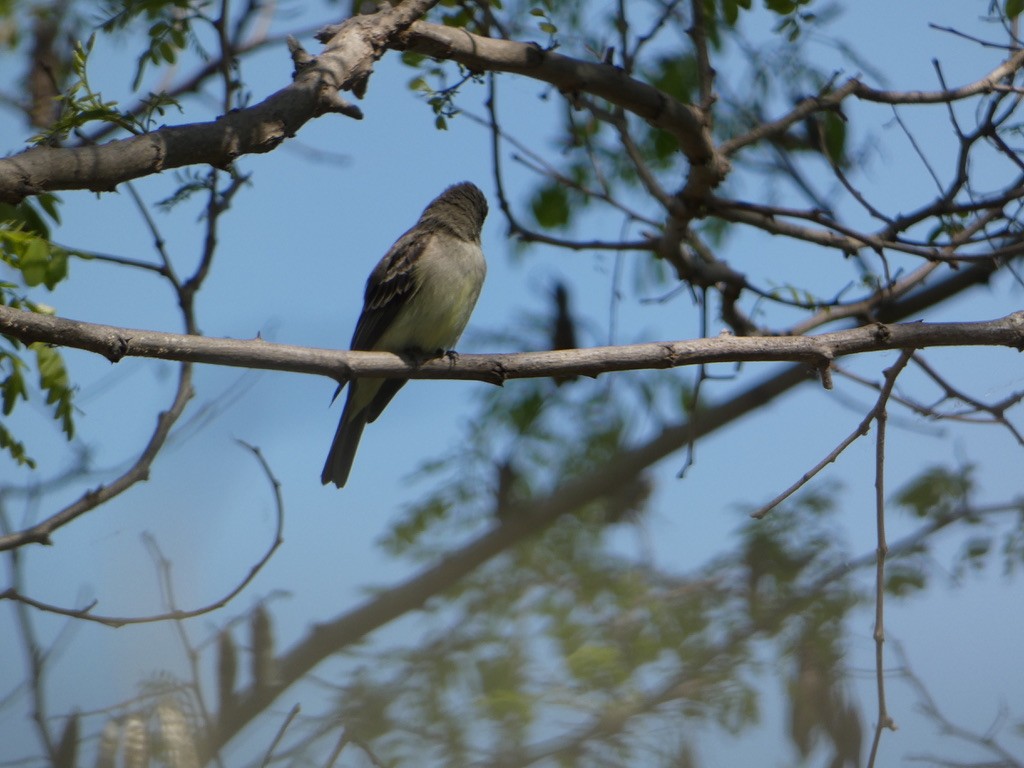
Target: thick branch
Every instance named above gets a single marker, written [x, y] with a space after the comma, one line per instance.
[116, 343]
[345, 64]
[572, 76]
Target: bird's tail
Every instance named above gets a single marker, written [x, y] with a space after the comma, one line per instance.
[343, 449]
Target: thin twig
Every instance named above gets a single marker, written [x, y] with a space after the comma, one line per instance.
[343, 741]
[884, 718]
[705, 72]
[928, 705]
[86, 613]
[165, 578]
[292, 714]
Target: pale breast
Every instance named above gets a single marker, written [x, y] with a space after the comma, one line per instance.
[449, 274]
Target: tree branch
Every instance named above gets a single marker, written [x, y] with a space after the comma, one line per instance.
[860, 431]
[87, 613]
[345, 64]
[116, 343]
[571, 76]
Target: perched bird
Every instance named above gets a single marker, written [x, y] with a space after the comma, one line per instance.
[563, 329]
[417, 303]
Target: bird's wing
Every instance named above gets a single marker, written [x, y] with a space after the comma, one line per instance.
[389, 287]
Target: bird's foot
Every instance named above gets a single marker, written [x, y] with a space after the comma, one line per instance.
[419, 356]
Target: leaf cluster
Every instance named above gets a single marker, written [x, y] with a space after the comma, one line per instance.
[26, 249]
[564, 629]
[168, 30]
[81, 104]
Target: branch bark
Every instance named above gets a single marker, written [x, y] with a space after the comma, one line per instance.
[345, 64]
[116, 343]
[571, 76]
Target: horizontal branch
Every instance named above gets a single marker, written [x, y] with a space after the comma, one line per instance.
[345, 64]
[984, 85]
[116, 343]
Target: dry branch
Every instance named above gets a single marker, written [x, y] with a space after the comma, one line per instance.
[116, 343]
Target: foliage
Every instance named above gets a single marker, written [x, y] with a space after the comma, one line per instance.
[169, 28]
[81, 105]
[25, 247]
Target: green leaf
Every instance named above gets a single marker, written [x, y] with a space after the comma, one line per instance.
[977, 547]
[936, 491]
[34, 261]
[56, 268]
[49, 202]
[420, 84]
[835, 136]
[596, 665]
[54, 379]
[902, 578]
[24, 217]
[15, 448]
[1014, 8]
[13, 387]
[676, 76]
[459, 19]
[551, 207]
[730, 11]
[167, 52]
[411, 59]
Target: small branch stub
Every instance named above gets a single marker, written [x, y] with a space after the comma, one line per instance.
[300, 56]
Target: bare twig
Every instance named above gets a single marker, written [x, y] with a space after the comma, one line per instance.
[861, 430]
[292, 714]
[986, 741]
[87, 613]
[884, 718]
[855, 87]
[705, 73]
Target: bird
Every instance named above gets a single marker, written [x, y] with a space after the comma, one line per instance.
[563, 330]
[417, 302]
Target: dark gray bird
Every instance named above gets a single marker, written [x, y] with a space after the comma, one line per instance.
[417, 303]
[563, 328]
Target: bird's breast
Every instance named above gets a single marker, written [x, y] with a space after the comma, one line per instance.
[448, 276]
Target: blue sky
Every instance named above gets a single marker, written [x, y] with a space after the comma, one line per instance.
[296, 249]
